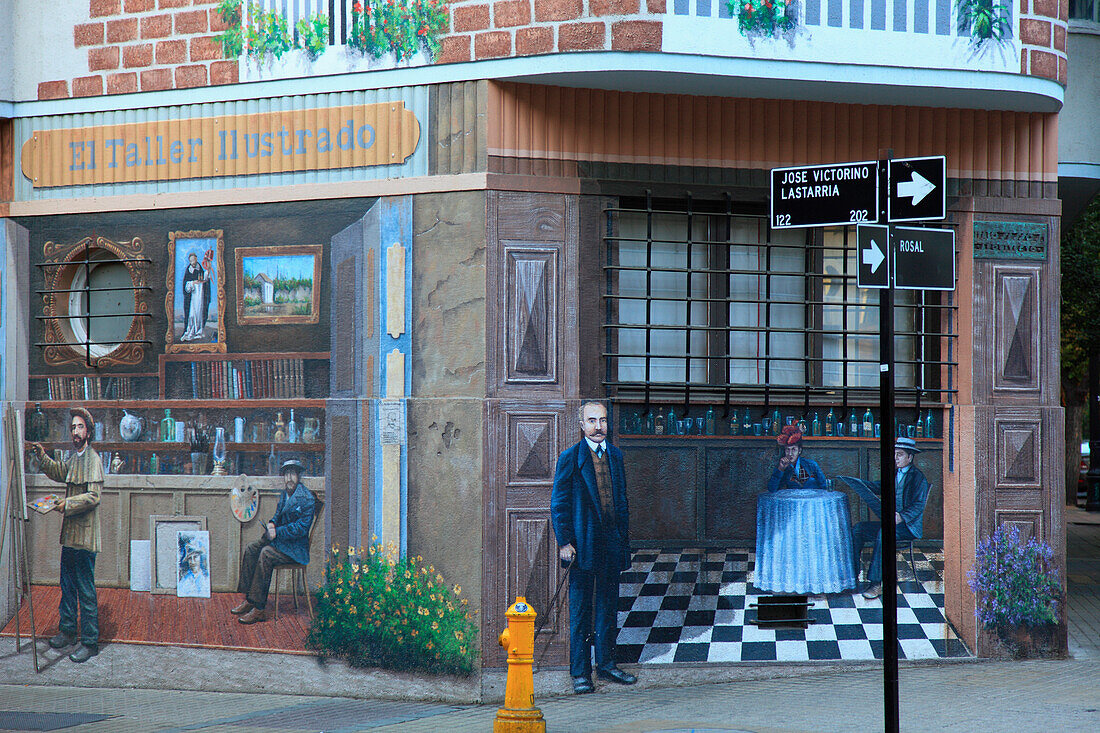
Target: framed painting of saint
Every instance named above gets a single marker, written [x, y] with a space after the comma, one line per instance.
[195, 304]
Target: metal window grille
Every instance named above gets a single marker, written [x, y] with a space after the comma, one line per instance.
[704, 302]
[87, 262]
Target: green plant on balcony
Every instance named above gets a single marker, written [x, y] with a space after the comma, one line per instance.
[763, 17]
[400, 27]
[267, 33]
[984, 20]
[313, 35]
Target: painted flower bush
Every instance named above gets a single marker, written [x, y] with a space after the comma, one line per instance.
[376, 28]
[764, 17]
[1015, 581]
[375, 610]
[399, 27]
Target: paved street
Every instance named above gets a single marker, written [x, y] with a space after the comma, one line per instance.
[960, 696]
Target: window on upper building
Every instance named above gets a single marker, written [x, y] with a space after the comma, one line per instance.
[1084, 10]
[712, 302]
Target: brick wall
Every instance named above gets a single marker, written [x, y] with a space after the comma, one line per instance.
[484, 29]
[146, 45]
[1043, 36]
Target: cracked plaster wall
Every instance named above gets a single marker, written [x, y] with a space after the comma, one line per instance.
[448, 386]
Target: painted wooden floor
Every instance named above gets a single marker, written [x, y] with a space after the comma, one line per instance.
[143, 618]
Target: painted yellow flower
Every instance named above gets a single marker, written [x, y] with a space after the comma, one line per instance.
[465, 602]
[438, 578]
[458, 635]
[462, 650]
[351, 551]
[435, 626]
[429, 646]
[440, 613]
[457, 589]
[339, 591]
[354, 610]
[413, 632]
[407, 587]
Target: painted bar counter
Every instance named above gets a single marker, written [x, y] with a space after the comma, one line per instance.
[127, 502]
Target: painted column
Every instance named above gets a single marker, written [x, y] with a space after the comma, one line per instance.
[389, 431]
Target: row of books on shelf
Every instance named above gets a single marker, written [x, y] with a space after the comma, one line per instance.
[248, 379]
[89, 388]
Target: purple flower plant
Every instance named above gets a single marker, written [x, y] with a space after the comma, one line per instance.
[1015, 581]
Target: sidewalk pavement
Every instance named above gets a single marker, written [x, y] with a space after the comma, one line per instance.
[1014, 697]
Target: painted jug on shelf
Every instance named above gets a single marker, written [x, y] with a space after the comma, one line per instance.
[312, 430]
[130, 427]
[37, 427]
[238, 429]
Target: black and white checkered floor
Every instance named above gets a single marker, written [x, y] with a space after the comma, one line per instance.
[690, 606]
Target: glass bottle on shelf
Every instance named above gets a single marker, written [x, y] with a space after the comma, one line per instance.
[734, 423]
[220, 467]
[803, 426]
[292, 429]
[919, 427]
[649, 422]
[777, 422]
[167, 427]
[154, 464]
[272, 462]
[709, 421]
[929, 425]
[853, 424]
[280, 429]
[815, 426]
[830, 423]
[746, 422]
[868, 423]
[37, 425]
[670, 422]
[659, 425]
[624, 422]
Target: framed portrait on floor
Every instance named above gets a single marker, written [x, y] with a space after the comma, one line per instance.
[164, 559]
[193, 577]
[195, 304]
[277, 285]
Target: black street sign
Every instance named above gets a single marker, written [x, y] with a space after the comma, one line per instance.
[824, 195]
[918, 189]
[923, 259]
[873, 247]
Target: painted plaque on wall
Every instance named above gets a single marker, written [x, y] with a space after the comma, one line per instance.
[1010, 240]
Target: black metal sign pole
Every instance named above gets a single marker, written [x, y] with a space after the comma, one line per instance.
[886, 458]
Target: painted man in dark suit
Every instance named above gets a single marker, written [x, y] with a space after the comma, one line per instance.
[285, 540]
[911, 494]
[589, 513]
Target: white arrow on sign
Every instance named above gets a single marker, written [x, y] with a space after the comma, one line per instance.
[918, 188]
[873, 256]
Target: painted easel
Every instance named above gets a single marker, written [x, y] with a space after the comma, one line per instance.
[16, 502]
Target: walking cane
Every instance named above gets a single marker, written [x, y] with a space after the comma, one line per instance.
[545, 617]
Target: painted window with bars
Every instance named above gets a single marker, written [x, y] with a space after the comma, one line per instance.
[703, 299]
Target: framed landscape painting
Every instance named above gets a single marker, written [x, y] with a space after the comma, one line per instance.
[277, 285]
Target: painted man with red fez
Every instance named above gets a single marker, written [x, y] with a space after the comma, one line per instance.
[82, 475]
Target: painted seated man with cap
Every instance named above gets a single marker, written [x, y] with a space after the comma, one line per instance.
[911, 493]
[795, 471]
[285, 540]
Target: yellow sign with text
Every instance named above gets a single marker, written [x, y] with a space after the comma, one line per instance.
[233, 145]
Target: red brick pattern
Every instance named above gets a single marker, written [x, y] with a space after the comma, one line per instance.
[1043, 37]
[534, 40]
[509, 13]
[636, 35]
[167, 42]
[612, 7]
[493, 44]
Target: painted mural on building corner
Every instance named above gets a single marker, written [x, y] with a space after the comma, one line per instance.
[198, 492]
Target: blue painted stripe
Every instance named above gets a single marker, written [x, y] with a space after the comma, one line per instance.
[813, 12]
[943, 18]
[855, 15]
[702, 8]
[836, 13]
[724, 9]
[878, 15]
[680, 7]
[900, 10]
[920, 16]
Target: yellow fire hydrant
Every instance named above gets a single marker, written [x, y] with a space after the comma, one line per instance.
[519, 714]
